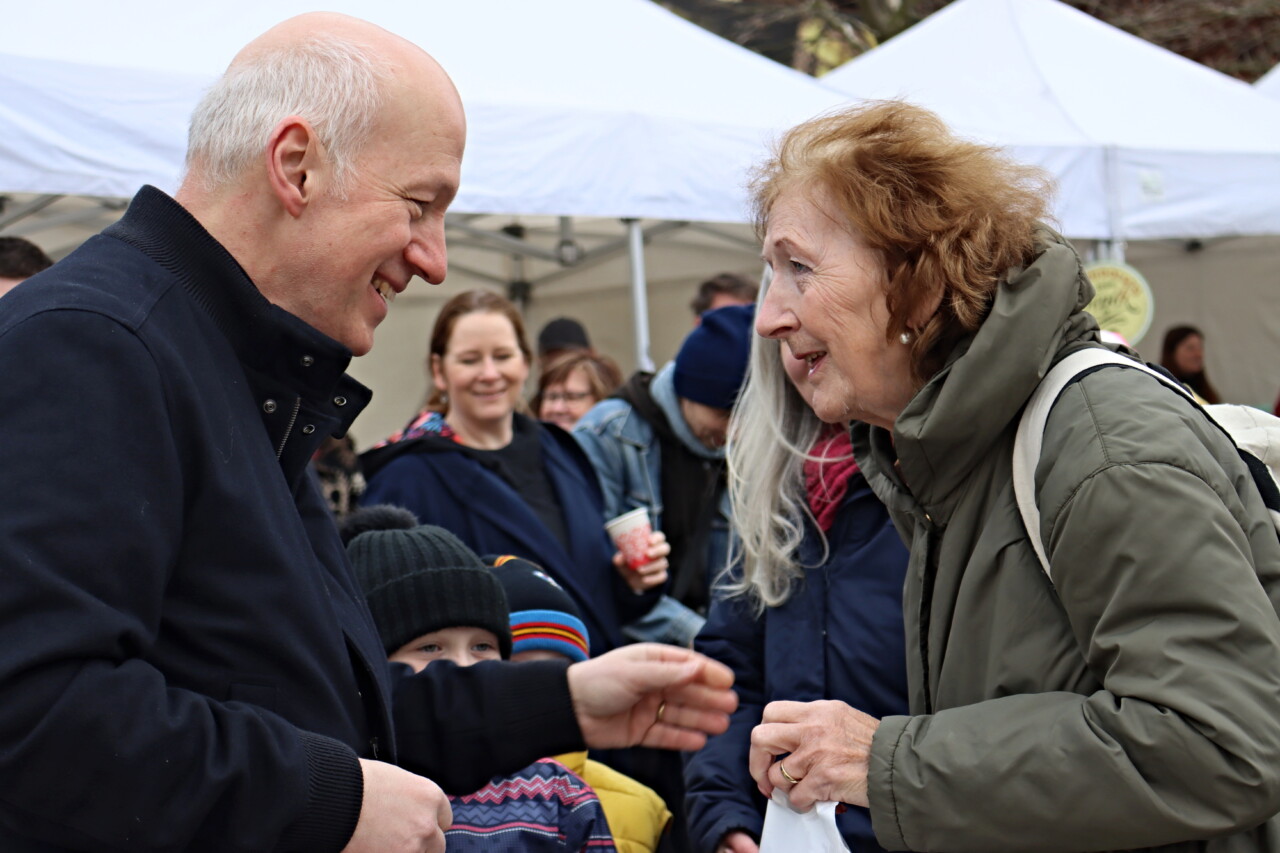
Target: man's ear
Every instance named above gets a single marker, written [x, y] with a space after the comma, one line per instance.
[293, 157]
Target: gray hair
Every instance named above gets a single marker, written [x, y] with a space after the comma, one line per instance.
[770, 436]
[335, 84]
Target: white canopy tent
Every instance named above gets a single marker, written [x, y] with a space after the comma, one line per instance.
[575, 107]
[604, 108]
[1269, 83]
[1145, 144]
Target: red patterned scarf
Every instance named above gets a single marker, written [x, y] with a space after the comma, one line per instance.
[826, 479]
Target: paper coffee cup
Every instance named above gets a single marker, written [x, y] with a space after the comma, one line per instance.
[630, 533]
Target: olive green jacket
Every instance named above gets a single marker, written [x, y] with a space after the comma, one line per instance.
[1132, 702]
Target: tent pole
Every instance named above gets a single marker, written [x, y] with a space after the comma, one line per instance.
[639, 299]
[1115, 215]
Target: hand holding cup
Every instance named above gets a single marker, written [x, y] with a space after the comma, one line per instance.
[642, 551]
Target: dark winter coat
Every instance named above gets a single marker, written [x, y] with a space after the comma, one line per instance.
[1132, 702]
[838, 636]
[444, 485]
[186, 662]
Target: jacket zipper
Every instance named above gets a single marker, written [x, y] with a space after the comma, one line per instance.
[293, 418]
[926, 607]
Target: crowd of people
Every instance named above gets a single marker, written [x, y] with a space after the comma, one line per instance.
[223, 629]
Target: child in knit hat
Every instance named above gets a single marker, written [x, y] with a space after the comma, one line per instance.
[433, 599]
[545, 624]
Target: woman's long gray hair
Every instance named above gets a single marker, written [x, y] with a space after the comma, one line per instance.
[770, 436]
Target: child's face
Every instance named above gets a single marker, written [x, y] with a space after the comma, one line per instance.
[463, 646]
[538, 654]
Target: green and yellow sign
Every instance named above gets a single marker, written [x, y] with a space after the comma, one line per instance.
[1123, 303]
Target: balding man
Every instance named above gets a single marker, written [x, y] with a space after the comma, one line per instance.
[186, 662]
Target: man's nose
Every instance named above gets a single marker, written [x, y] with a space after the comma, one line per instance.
[428, 255]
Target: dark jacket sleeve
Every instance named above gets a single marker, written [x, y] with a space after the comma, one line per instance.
[100, 749]
[720, 794]
[461, 726]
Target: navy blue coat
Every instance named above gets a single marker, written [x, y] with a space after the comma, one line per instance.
[442, 485]
[186, 661]
[839, 636]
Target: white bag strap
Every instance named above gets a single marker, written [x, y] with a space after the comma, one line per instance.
[1028, 441]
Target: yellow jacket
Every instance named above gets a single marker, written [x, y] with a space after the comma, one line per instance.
[637, 816]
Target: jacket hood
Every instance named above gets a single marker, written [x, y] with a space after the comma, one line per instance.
[955, 419]
[663, 390]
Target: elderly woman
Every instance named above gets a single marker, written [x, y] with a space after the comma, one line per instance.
[1129, 702]
[814, 607]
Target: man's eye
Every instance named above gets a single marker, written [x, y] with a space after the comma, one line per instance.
[798, 267]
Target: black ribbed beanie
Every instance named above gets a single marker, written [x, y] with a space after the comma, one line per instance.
[425, 579]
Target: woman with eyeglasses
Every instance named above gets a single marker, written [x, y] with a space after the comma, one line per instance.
[571, 384]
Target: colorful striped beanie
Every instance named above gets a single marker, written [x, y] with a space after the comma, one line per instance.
[543, 615]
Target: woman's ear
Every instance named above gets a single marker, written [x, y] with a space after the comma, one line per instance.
[924, 312]
[436, 367]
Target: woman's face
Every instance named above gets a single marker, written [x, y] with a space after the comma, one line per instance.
[482, 370]
[1188, 355]
[565, 402]
[826, 303]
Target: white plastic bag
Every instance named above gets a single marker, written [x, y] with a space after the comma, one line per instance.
[789, 831]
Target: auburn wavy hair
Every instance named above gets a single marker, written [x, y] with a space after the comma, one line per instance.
[948, 217]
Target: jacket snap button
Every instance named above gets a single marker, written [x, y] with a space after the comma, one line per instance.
[308, 429]
[307, 361]
[269, 406]
[339, 401]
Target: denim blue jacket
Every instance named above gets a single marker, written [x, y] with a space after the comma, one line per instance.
[627, 456]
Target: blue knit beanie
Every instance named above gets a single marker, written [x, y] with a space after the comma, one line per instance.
[543, 615]
[712, 361]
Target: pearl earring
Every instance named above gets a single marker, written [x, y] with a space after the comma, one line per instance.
[905, 337]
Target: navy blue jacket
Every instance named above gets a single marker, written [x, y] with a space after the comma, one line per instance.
[839, 636]
[186, 662]
[441, 484]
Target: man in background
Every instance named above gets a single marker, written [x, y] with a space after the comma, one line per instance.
[19, 260]
[658, 443]
[720, 291]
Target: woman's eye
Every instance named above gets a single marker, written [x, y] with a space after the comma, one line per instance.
[798, 267]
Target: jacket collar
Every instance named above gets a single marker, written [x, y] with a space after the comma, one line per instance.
[663, 390]
[961, 414]
[281, 355]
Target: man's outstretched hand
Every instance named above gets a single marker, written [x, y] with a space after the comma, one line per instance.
[651, 694]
